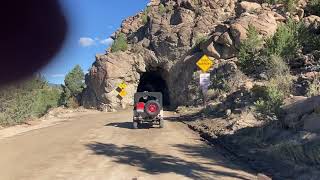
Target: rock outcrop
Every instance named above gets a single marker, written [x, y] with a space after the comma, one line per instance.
[302, 112]
[312, 21]
[246, 6]
[177, 33]
[264, 22]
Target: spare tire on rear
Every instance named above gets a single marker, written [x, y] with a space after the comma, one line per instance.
[152, 108]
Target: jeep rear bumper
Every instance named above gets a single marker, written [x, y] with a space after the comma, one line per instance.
[149, 119]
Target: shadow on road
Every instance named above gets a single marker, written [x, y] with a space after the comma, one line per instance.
[185, 118]
[128, 125]
[153, 163]
[125, 125]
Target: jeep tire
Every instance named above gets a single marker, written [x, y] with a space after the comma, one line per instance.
[154, 103]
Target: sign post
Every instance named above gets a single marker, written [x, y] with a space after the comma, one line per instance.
[204, 84]
[205, 63]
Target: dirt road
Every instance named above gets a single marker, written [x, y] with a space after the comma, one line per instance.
[103, 146]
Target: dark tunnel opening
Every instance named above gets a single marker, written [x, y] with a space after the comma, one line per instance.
[152, 81]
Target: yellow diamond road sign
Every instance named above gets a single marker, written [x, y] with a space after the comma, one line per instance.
[122, 93]
[204, 63]
[122, 85]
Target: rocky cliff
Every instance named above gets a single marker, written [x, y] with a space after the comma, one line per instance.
[166, 40]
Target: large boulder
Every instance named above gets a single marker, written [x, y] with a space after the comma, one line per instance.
[182, 15]
[211, 49]
[246, 6]
[312, 22]
[221, 44]
[106, 74]
[301, 112]
[265, 23]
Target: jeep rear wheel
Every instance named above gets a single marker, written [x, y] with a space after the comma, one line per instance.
[135, 125]
[161, 123]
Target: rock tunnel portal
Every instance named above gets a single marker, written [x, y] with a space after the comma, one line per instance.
[153, 81]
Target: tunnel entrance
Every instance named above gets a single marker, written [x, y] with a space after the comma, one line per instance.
[152, 81]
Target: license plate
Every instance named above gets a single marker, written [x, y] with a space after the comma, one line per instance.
[140, 110]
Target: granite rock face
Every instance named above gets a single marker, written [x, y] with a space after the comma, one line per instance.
[165, 49]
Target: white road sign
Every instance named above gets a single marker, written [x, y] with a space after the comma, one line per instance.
[204, 81]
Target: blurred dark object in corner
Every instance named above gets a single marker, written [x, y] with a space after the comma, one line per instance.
[32, 32]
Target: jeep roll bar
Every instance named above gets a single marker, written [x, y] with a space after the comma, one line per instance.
[157, 95]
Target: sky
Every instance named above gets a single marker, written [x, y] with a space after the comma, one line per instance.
[91, 22]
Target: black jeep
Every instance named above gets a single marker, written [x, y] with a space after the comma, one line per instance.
[147, 109]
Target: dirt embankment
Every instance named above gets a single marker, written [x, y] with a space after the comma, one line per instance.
[268, 147]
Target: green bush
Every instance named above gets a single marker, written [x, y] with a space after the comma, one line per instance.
[170, 8]
[72, 102]
[45, 99]
[162, 9]
[74, 81]
[255, 57]
[289, 5]
[227, 82]
[196, 2]
[25, 100]
[288, 39]
[314, 87]
[213, 93]
[270, 1]
[144, 18]
[276, 66]
[270, 105]
[120, 43]
[314, 7]
[308, 40]
[270, 97]
[249, 53]
[74, 85]
[144, 15]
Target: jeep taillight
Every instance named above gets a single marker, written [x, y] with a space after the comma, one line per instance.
[140, 106]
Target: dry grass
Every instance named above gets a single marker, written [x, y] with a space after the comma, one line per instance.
[271, 97]
[308, 153]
